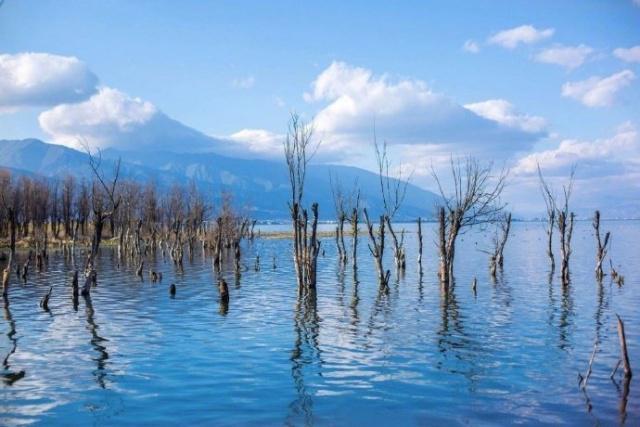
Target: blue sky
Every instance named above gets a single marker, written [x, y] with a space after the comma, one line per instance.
[221, 67]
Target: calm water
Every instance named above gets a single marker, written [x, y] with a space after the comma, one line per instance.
[134, 356]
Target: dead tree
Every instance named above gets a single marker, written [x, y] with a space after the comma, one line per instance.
[565, 229]
[550, 203]
[377, 248]
[299, 148]
[393, 192]
[103, 210]
[624, 355]
[44, 302]
[499, 242]
[601, 250]
[6, 274]
[355, 213]
[564, 220]
[475, 200]
[340, 203]
[420, 245]
[10, 204]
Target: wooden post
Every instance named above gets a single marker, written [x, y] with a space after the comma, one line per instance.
[623, 349]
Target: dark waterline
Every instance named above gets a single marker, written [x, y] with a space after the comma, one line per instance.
[132, 355]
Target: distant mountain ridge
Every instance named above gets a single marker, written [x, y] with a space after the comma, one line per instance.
[259, 185]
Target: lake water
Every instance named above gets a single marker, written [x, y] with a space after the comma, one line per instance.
[133, 355]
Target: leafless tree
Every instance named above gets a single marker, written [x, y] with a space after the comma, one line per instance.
[68, 192]
[10, 204]
[603, 244]
[565, 219]
[499, 243]
[376, 247]
[393, 192]
[299, 148]
[420, 245]
[550, 203]
[105, 197]
[355, 214]
[475, 200]
[346, 205]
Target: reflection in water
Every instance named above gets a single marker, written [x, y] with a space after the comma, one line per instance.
[306, 354]
[355, 300]
[566, 318]
[97, 344]
[8, 376]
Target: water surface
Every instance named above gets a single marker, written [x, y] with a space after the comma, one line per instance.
[132, 355]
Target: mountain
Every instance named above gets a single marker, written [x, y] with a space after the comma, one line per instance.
[259, 185]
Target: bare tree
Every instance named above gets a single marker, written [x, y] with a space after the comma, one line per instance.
[355, 214]
[346, 205]
[564, 221]
[68, 191]
[341, 204]
[10, 204]
[499, 242]
[601, 250]
[393, 192]
[105, 197]
[550, 203]
[299, 148]
[475, 200]
[377, 248]
[420, 245]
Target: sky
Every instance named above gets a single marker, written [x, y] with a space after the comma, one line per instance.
[513, 82]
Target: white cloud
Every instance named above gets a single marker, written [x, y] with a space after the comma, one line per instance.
[631, 54]
[260, 141]
[524, 34]
[636, 2]
[597, 91]
[603, 156]
[504, 112]
[569, 57]
[404, 111]
[42, 79]
[244, 82]
[471, 46]
[111, 118]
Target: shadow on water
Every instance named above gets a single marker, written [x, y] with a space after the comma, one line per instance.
[8, 376]
[305, 357]
[97, 341]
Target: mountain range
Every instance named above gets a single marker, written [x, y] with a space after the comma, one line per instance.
[259, 186]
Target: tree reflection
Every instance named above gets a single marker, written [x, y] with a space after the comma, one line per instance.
[97, 344]
[306, 354]
[8, 376]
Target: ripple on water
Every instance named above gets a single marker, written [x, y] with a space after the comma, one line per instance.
[133, 355]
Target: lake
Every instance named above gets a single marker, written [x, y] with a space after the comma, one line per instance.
[511, 354]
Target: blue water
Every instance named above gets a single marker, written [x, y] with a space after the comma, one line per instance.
[133, 355]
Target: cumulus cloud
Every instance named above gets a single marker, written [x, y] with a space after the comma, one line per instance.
[524, 34]
[42, 79]
[403, 111]
[244, 82]
[569, 57]
[504, 112]
[111, 118]
[259, 141]
[603, 156]
[598, 91]
[471, 46]
[631, 54]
